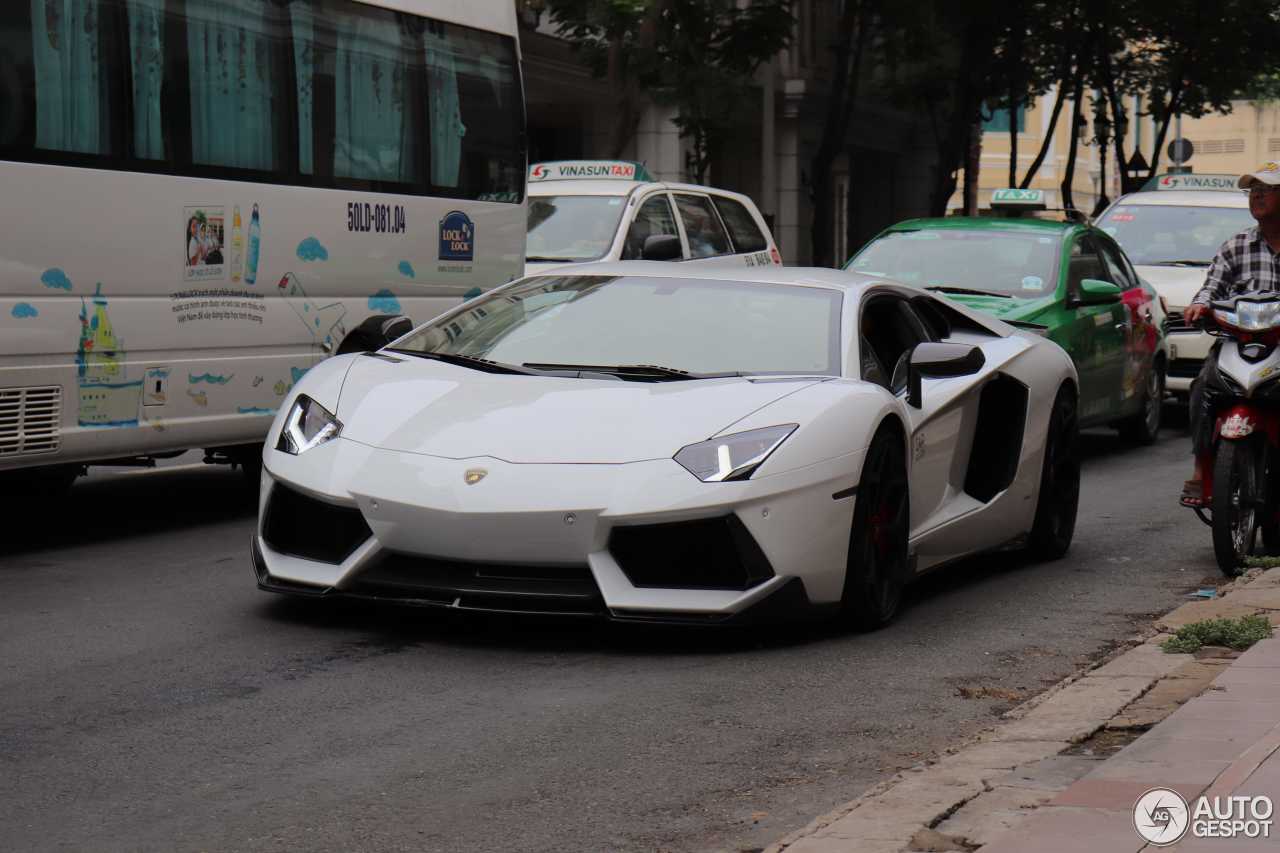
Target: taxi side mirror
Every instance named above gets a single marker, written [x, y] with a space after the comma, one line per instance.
[939, 361]
[1096, 292]
[662, 247]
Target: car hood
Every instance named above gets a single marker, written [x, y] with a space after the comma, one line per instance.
[421, 406]
[1009, 310]
[1178, 285]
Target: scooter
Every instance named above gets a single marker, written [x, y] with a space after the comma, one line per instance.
[1242, 479]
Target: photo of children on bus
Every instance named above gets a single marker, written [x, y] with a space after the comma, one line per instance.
[204, 238]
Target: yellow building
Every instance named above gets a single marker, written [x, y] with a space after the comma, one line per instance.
[1223, 144]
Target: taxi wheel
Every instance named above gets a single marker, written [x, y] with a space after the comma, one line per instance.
[1055, 522]
[876, 568]
[1144, 426]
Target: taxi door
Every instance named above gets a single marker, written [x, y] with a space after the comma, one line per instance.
[720, 230]
[1096, 335]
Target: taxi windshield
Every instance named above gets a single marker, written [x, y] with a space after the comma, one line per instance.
[572, 227]
[694, 325]
[980, 259]
[1173, 234]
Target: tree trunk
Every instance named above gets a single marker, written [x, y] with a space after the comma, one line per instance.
[974, 62]
[972, 169]
[1048, 136]
[1015, 96]
[623, 88]
[1175, 104]
[851, 41]
[1068, 201]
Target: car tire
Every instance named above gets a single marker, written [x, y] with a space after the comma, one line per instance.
[876, 565]
[1059, 497]
[1144, 426]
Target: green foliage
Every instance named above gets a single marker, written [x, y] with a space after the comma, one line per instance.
[1233, 633]
[696, 55]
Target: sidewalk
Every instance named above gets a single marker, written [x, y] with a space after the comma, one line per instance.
[1050, 780]
[1222, 743]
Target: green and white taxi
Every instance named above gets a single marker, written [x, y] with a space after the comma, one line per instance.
[613, 210]
[1068, 280]
[1171, 229]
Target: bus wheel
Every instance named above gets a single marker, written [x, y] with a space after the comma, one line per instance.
[375, 333]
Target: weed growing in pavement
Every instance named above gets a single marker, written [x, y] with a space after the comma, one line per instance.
[1233, 633]
[1261, 562]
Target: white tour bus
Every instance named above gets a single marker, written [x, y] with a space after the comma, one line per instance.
[205, 199]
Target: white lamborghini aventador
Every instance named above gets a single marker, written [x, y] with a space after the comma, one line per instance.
[649, 441]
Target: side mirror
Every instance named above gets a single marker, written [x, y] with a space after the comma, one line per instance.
[939, 361]
[1095, 292]
[661, 247]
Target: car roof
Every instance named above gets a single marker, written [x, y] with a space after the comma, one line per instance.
[986, 223]
[823, 277]
[1187, 198]
[620, 188]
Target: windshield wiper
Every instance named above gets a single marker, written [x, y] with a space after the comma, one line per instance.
[538, 259]
[633, 372]
[474, 362]
[1177, 263]
[970, 291]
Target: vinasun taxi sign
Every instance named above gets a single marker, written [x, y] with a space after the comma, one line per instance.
[1193, 182]
[608, 170]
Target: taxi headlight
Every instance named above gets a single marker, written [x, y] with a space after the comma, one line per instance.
[1251, 316]
[308, 425]
[732, 457]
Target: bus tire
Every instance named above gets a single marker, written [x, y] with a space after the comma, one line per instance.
[375, 333]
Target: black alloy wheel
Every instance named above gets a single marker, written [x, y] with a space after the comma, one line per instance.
[876, 568]
[1236, 502]
[1143, 427]
[1059, 499]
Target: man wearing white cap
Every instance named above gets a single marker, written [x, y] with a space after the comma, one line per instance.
[1249, 261]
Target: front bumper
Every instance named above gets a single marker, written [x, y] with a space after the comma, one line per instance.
[1188, 348]
[534, 538]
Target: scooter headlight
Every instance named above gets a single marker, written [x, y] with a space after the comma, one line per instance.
[732, 457]
[308, 425]
[1250, 316]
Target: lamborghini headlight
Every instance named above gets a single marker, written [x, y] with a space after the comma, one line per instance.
[732, 457]
[308, 425]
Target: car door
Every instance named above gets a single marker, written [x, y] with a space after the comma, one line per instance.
[706, 239]
[752, 244]
[654, 217]
[1094, 335]
[1140, 334]
[888, 330]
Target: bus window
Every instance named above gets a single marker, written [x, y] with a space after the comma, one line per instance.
[323, 93]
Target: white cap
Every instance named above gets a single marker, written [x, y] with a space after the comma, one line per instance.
[1268, 173]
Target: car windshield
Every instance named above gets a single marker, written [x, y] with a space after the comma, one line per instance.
[1005, 262]
[572, 227]
[695, 325]
[1170, 234]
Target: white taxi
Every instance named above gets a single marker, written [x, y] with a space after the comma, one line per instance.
[613, 210]
[1171, 229]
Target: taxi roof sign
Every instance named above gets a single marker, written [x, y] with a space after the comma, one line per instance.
[1221, 183]
[1019, 199]
[597, 170]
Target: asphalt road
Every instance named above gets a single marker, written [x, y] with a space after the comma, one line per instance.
[152, 698]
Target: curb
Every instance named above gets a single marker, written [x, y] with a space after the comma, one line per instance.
[992, 783]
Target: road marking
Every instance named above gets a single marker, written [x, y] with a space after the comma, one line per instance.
[158, 469]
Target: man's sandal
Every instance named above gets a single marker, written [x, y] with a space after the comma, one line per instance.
[1192, 494]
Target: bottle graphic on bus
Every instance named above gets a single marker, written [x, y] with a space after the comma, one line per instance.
[255, 247]
[237, 245]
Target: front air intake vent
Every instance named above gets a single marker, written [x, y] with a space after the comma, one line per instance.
[302, 526]
[30, 419]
